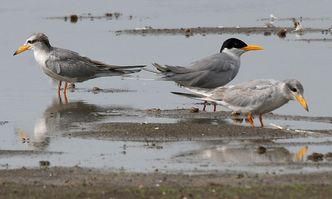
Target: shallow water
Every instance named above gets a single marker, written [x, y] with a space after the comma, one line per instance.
[28, 96]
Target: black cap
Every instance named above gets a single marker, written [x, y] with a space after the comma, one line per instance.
[232, 43]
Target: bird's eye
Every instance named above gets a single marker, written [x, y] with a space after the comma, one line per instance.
[31, 41]
[294, 89]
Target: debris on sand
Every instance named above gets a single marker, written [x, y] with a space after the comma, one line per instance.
[282, 33]
[153, 110]
[297, 18]
[194, 110]
[96, 90]
[328, 156]
[211, 30]
[73, 18]
[44, 163]
[261, 150]
[3, 123]
[316, 157]
[153, 145]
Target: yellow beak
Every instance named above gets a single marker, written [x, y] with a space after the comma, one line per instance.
[22, 49]
[252, 47]
[302, 101]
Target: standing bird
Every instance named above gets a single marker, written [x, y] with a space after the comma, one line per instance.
[68, 66]
[253, 97]
[210, 72]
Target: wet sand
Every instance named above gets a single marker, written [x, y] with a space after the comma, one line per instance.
[77, 182]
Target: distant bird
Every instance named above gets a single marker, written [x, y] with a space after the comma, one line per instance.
[255, 97]
[297, 26]
[273, 18]
[68, 66]
[270, 22]
[210, 72]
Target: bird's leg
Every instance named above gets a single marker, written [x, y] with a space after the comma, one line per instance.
[65, 89]
[214, 107]
[261, 119]
[204, 105]
[66, 99]
[250, 120]
[59, 88]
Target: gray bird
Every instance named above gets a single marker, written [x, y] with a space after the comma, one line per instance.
[210, 72]
[68, 66]
[253, 97]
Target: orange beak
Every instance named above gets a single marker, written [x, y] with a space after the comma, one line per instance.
[302, 101]
[21, 49]
[252, 47]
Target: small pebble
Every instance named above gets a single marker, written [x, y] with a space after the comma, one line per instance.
[194, 110]
[73, 18]
[261, 150]
[44, 163]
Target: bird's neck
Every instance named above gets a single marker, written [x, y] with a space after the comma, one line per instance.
[41, 54]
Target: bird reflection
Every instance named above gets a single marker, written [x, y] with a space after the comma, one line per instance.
[246, 153]
[59, 118]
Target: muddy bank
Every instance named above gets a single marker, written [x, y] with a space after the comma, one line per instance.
[187, 114]
[189, 31]
[188, 125]
[74, 18]
[76, 182]
[182, 131]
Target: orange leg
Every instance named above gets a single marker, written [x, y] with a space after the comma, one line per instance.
[250, 120]
[214, 107]
[59, 88]
[261, 120]
[65, 89]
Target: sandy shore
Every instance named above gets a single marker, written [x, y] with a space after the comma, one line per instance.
[76, 182]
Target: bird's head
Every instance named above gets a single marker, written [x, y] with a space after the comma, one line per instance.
[294, 90]
[35, 41]
[238, 47]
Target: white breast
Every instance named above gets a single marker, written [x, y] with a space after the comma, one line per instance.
[40, 57]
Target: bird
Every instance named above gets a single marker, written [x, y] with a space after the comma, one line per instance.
[297, 26]
[255, 97]
[209, 72]
[68, 66]
[272, 17]
[270, 22]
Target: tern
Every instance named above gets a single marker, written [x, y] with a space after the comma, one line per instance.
[255, 97]
[68, 66]
[210, 72]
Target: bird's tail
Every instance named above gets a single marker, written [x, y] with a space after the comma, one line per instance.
[129, 71]
[115, 67]
[161, 68]
[151, 70]
[200, 91]
[190, 95]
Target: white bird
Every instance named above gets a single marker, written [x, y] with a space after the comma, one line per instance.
[255, 97]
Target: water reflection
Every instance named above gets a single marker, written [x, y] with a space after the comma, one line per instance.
[246, 153]
[59, 118]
